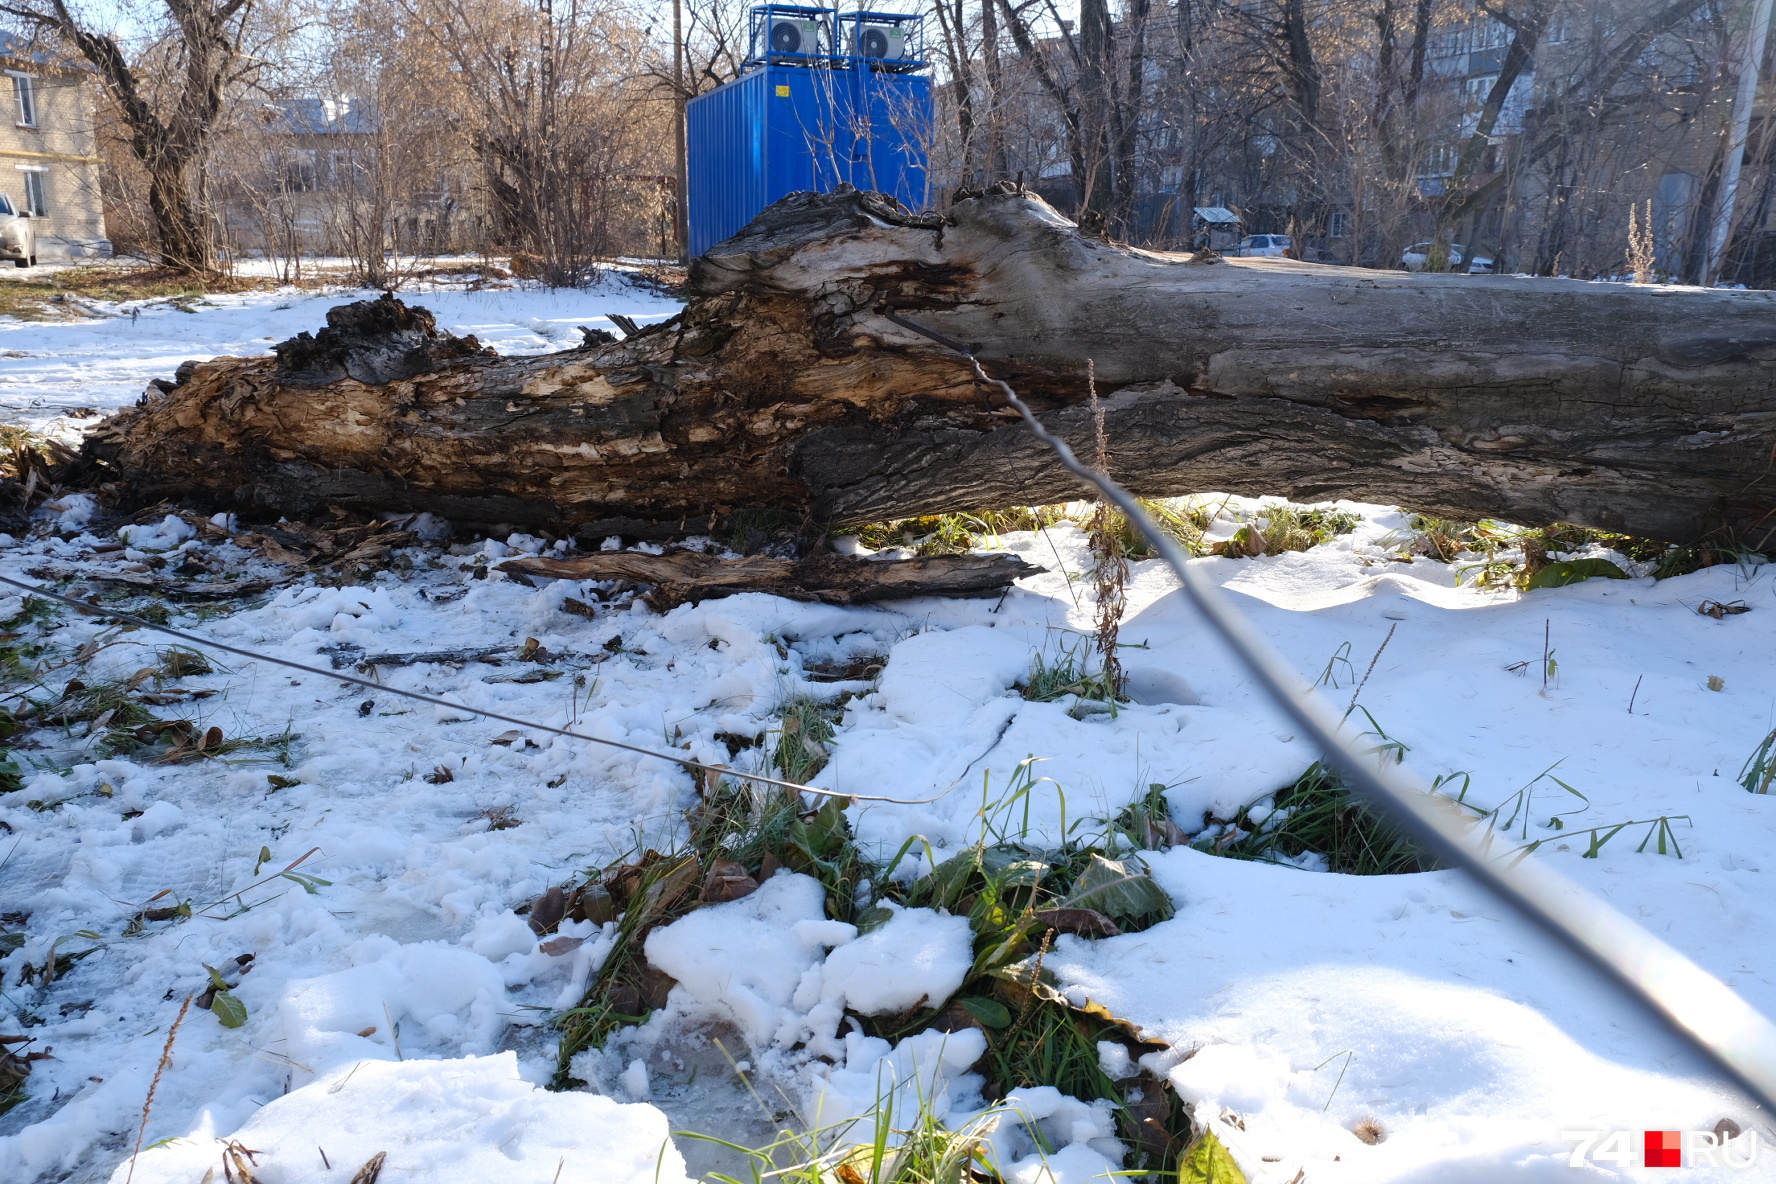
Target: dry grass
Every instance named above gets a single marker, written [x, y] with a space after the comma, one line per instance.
[166, 1058]
[57, 297]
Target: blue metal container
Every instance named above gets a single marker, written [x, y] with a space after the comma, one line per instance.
[806, 118]
[884, 126]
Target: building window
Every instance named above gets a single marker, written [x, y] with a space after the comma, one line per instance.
[1335, 224]
[36, 204]
[24, 89]
[300, 170]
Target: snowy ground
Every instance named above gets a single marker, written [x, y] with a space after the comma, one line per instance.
[102, 363]
[1310, 1001]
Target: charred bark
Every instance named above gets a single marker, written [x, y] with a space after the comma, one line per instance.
[783, 384]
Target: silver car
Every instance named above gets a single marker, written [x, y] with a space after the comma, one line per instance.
[18, 238]
[1263, 246]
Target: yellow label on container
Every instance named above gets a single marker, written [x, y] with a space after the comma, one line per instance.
[783, 92]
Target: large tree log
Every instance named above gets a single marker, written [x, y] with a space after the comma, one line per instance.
[783, 384]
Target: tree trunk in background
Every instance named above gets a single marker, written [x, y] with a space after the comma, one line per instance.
[784, 385]
[182, 225]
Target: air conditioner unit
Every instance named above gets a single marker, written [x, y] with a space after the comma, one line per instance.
[884, 42]
[797, 37]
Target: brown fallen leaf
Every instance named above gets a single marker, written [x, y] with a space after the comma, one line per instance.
[727, 880]
[547, 910]
[370, 1031]
[592, 902]
[371, 1171]
[1084, 922]
[557, 946]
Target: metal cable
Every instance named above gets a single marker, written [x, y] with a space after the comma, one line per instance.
[1697, 1006]
[686, 762]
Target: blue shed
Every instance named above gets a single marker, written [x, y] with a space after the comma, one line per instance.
[823, 99]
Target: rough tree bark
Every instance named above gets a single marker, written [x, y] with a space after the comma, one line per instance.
[784, 385]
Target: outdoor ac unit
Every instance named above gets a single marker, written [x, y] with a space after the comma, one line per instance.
[887, 42]
[795, 36]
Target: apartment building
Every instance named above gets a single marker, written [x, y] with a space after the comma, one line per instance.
[49, 161]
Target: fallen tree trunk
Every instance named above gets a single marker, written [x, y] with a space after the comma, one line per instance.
[679, 576]
[786, 384]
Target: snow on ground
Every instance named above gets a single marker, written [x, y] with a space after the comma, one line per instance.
[396, 1006]
[50, 368]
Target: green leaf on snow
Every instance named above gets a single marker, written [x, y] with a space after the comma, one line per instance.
[1206, 1161]
[231, 1012]
[1573, 571]
[1120, 889]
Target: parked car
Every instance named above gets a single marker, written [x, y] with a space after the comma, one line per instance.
[1418, 255]
[1266, 246]
[18, 238]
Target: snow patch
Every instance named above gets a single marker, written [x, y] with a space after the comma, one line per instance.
[465, 1121]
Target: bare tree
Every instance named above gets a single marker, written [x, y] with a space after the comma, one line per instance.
[170, 122]
[572, 144]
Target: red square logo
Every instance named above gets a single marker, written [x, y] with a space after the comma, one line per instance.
[1664, 1149]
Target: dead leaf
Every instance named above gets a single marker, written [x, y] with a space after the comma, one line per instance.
[579, 608]
[670, 886]
[655, 985]
[238, 1163]
[370, 1031]
[592, 902]
[273, 550]
[212, 739]
[507, 739]
[1084, 922]
[1148, 1117]
[557, 946]
[440, 775]
[547, 910]
[1719, 611]
[727, 880]
[371, 1171]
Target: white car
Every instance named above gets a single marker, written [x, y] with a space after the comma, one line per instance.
[1418, 255]
[1267, 246]
[18, 238]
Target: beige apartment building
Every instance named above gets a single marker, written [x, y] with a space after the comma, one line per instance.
[49, 162]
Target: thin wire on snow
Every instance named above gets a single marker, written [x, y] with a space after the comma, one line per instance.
[1697, 1006]
[192, 639]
